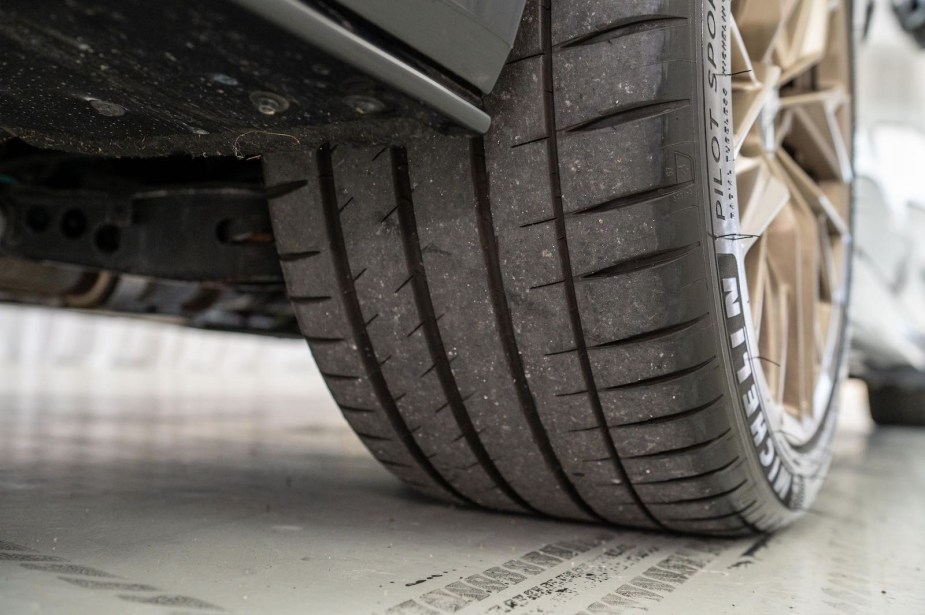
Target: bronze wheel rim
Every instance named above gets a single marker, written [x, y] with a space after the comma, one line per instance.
[792, 123]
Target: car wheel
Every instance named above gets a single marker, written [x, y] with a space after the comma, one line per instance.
[626, 302]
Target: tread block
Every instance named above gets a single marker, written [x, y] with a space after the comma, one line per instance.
[377, 243]
[579, 18]
[303, 275]
[520, 191]
[660, 226]
[575, 445]
[719, 478]
[683, 463]
[528, 41]
[299, 225]
[623, 365]
[298, 222]
[602, 165]
[516, 105]
[726, 504]
[655, 298]
[536, 294]
[615, 78]
[632, 405]
[323, 318]
[665, 436]
[444, 195]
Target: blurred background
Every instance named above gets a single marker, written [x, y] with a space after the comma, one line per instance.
[38, 337]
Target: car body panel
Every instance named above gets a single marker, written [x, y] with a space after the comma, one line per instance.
[216, 77]
[470, 38]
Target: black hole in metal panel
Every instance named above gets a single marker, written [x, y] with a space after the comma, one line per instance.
[108, 238]
[38, 219]
[73, 224]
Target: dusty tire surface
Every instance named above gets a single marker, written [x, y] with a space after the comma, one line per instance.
[539, 320]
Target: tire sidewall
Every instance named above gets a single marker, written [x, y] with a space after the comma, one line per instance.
[787, 477]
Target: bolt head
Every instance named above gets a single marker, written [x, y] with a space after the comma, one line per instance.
[364, 105]
[268, 103]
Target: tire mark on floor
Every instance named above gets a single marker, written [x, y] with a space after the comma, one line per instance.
[477, 587]
[657, 581]
[29, 559]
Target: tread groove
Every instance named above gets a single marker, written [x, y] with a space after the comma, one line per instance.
[355, 320]
[394, 464]
[281, 190]
[628, 114]
[415, 330]
[530, 142]
[329, 376]
[357, 410]
[524, 58]
[313, 339]
[389, 214]
[538, 223]
[442, 364]
[656, 334]
[670, 418]
[663, 379]
[638, 198]
[552, 144]
[624, 27]
[640, 263]
[733, 514]
[684, 449]
[403, 284]
[505, 322]
[645, 382]
[288, 257]
[648, 336]
[684, 479]
[705, 498]
[374, 438]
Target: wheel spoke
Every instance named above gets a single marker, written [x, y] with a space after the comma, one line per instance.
[751, 95]
[758, 276]
[775, 325]
[762, 195]
[828, 276]
[816, 133]
[814, 194]
[761, 24]
[803, 42]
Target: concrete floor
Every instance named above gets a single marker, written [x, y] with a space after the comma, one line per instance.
[124, 493]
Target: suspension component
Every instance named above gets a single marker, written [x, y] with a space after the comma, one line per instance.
[219, 234]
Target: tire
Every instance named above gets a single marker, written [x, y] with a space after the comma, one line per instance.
[897, 397]
[543, 320]
[893, 405]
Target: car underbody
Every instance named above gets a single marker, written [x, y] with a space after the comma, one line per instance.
[149, 199]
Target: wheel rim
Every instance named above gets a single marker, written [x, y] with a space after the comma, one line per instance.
[792, 123]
